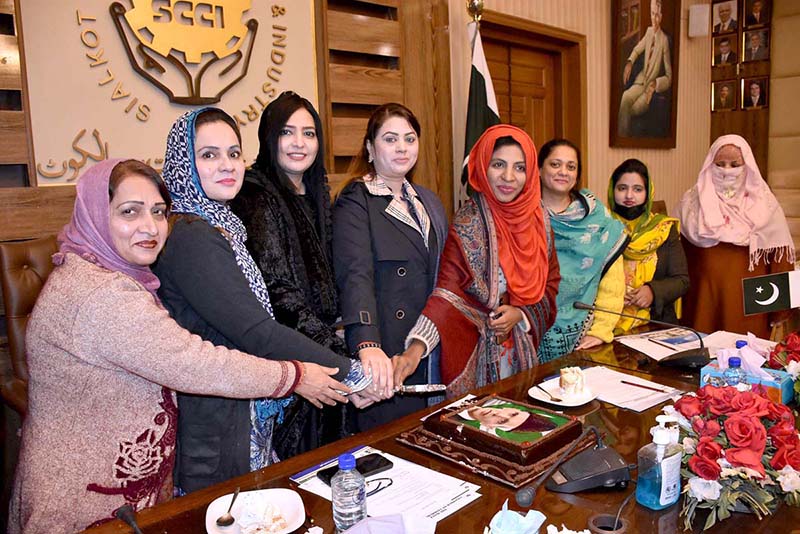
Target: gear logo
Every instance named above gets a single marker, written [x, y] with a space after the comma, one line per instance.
[192, 51]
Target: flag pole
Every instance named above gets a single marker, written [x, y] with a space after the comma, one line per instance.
[475, 10]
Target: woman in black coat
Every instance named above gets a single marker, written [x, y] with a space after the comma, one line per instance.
[387, 238]
[285, 206]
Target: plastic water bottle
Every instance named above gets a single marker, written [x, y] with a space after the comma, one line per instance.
[734, 374]
[349, 494]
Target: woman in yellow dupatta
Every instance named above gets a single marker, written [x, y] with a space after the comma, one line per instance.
[656, 274]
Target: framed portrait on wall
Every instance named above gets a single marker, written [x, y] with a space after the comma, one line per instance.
[755, 45]
[723, 95]
[644, 74]
[724, 16]
[725, 51]
[756, 13]
[755, 93]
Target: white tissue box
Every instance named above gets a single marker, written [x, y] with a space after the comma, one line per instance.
[779, 389]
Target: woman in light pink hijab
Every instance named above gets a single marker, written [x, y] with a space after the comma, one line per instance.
[734, 229]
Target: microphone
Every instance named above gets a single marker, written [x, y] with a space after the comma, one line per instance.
[126, 513]
[692, 358]
[526, 495]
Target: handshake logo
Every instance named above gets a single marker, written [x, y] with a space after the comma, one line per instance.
[192, 51]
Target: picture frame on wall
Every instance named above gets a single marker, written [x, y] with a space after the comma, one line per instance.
[757, 13]
[723, 95]
[644, 74]
[726, 51]
[755, 93]
[724, 17]
[755, 45]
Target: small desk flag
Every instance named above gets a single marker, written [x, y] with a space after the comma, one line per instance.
[770, 293]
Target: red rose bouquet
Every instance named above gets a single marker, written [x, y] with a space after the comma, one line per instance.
[786, 357]
[741, 453]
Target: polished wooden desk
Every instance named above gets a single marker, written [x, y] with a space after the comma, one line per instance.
[625, 430]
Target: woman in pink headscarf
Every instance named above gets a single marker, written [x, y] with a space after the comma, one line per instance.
[734, 229]
[104, 358]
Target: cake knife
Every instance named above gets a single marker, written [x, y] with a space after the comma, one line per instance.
[420, 388]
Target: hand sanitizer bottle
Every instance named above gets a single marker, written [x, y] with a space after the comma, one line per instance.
[659, 479]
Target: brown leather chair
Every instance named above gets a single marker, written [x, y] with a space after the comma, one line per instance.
[24, 267]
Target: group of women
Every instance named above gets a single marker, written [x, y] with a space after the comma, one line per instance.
[240, 310]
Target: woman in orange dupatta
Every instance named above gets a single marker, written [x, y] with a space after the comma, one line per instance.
[498, 277]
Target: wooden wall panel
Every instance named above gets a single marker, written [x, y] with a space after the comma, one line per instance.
[388, 3]
[359, 33]
[376, 51]
[14, 147]
[362, 85]
[30, 212]
[348, 134]
[10, 77]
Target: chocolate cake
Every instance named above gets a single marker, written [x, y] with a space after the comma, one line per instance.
[509, 429]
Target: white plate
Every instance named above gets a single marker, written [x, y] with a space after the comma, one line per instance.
[288, 501]
[551, 386]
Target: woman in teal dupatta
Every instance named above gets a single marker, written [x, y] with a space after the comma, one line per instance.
[589, 243]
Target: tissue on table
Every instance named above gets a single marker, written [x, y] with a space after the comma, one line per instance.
[779, 385]
[394, 524]
[751, 361]
[510, 522]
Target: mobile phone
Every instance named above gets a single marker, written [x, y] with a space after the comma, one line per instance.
[370, 464]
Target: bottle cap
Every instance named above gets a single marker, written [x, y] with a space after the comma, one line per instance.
[661, 433]
[734, 361]
[740, 343]
[347, 461]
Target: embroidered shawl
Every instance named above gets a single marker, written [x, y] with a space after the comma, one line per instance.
[588, 240]
[467, 290]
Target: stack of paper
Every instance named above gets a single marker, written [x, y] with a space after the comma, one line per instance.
[637, 394]
[406, 487]
[659, 344]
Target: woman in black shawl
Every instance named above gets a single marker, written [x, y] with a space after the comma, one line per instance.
[285, 206]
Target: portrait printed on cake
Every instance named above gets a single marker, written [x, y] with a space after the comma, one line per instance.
[509, 420]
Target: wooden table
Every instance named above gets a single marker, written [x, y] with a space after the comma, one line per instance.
[625, 430]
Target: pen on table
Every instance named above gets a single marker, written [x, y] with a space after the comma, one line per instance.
[670, 347]
[644, 387]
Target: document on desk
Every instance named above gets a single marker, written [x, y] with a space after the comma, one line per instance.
[627, 391]
[659, 344]
[406, 487]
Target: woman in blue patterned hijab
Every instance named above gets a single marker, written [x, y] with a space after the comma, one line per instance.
[212, 287]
